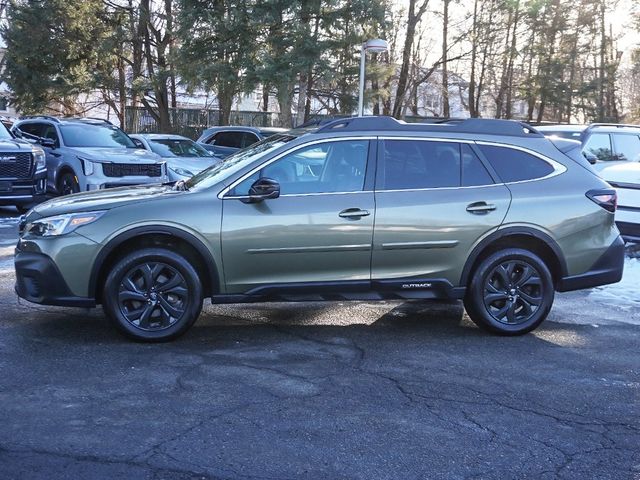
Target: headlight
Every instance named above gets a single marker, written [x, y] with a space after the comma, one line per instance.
[40, 158]
[87, 166]
[61, 224]
[182, 172]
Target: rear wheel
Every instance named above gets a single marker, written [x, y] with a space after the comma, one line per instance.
[68, 184]
[153, 295]
[511, 292]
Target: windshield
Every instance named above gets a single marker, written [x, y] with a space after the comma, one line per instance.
[4, 133]
[166, 147]
[236, 162]
[86, 135]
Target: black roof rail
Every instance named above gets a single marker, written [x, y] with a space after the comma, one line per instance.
[452, 125]
[616, 125]
[320, 121]
[45, 117]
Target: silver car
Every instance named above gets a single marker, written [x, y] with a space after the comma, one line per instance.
[87, 154]
[183, 156]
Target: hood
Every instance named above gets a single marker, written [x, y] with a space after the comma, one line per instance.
[12, 144]
[117, 155]
[100, 200]
[193, 164]
[619, 172]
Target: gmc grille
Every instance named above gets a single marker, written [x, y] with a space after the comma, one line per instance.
[15, 165]
[132, 169]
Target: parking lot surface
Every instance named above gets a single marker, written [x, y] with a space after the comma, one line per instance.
[334, 390]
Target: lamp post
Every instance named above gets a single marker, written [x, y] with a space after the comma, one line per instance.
[374, 46]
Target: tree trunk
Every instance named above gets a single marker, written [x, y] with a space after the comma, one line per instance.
[446, 111]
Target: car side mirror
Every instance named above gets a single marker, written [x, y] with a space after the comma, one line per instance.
[263, 189]
[591, 158]
[47, 142]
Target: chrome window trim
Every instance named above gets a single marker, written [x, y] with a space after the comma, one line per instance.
[224, 191]
[558, 168]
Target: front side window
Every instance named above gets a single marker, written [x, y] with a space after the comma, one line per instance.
[86, 135]
[513, 165]
[31, 130]
[599, 145]
[321, 168]
[627, 147]
[416, 164]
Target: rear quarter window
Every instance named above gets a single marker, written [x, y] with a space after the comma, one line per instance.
[513, 165]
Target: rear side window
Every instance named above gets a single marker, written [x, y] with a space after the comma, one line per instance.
[473, 171]
[599, 145]
[515, 165]
[227, 139]
[413, 164]
[627, 147]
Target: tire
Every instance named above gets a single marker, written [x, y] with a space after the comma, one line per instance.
[152, 295]
[510, 293]
[68, 184]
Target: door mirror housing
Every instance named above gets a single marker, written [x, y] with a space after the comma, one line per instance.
[47, 142]
[263, 189]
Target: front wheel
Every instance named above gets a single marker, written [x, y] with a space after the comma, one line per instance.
[153, 295]
[511, 292]
[68, 184]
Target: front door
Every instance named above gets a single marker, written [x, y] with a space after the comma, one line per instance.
[318, 232]
[434, 200]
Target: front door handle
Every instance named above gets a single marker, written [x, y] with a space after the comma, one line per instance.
[353, 213]
[480, 207]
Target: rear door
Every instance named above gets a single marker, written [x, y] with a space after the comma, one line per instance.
[434, 200]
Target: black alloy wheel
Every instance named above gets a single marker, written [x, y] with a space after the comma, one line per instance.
[513, 292]
[153, 295]
[510, 293]
[68, 184]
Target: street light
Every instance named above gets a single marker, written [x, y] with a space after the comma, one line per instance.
[374, 46]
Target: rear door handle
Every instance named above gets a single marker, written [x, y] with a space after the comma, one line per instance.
[353, 213]
[480, 207]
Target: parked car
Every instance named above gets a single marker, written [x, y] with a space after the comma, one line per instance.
[223, 141]
[489, 211]
[183, 156]
[23, 172]
[89, 154]
[615, 152]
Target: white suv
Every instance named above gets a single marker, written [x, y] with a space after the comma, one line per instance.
[614, 151]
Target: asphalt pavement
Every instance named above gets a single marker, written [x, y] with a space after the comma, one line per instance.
[318, 391]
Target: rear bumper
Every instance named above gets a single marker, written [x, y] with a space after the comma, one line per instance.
[38, 280]
[607, 269]
[630, 231]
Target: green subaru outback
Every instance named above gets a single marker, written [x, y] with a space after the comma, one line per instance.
[369, 208]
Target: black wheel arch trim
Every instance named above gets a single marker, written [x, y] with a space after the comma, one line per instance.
[192, 240]
[507, 232]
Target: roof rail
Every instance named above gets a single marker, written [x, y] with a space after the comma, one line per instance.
[452, 125]
[89, 119]
[45, 117]
[617, 125]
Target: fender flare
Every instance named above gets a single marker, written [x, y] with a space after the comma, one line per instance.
[506, 232]
[210, 264]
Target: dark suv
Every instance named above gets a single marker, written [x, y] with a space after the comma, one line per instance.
[23, 172]
[89, 154]
[223, 141]
[370, 208]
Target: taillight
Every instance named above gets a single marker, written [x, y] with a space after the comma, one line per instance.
[607, 199]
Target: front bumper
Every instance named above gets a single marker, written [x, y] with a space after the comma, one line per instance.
[29, 191]
[607, 269]
[38, 280]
